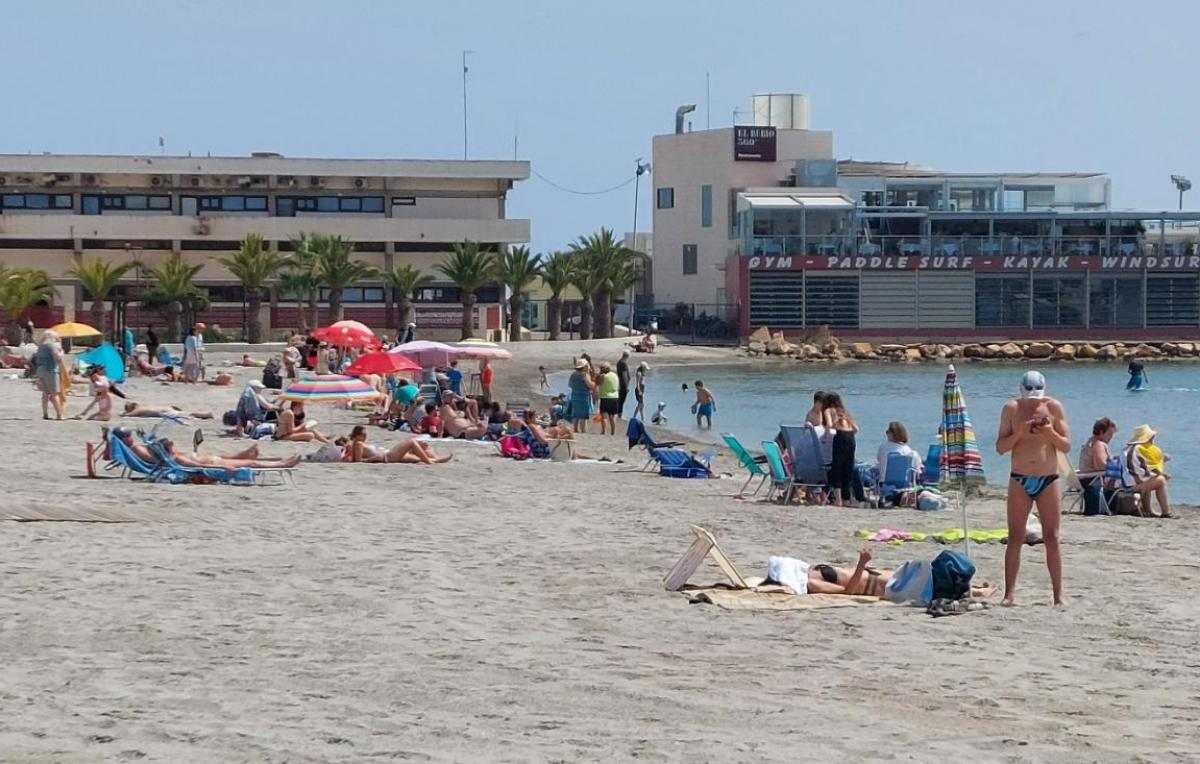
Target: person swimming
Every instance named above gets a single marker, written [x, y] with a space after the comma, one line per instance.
[1137, 375]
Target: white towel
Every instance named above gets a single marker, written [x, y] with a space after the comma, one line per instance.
[790, 572]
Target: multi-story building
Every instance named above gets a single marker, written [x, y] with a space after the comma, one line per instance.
[888, 250]
[53, 207]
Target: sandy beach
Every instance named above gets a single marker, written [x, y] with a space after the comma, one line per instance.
[493, 610]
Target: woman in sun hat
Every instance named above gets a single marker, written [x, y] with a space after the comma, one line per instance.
[579, 408]
[1146, 462]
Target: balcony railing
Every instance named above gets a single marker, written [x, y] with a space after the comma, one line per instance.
[969, 246]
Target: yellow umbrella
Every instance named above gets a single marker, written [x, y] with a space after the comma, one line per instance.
[74, 330]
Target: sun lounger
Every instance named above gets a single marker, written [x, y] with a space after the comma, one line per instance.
[637, 435]
[704, 545]
[171, 471]
[781, 480]
[747, 460]
[675, 463]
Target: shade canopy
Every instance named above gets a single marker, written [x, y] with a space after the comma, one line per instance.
[347, 334]
[106, 356]
[74, 330]
[382, 363]
[329, 387]
[428, 353]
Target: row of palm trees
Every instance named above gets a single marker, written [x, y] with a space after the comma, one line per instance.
[598, 266]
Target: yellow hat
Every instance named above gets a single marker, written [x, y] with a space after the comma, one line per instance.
[1141, 434]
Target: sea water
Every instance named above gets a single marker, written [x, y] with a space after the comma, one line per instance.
[752, 401]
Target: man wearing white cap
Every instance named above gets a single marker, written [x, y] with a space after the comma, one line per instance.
[1034, 428]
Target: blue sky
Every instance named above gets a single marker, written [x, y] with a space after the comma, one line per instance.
[970, 86]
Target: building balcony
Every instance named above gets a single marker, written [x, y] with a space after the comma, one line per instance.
[219, 227]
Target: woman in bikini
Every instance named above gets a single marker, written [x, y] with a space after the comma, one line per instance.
[458, 424]
[864, 580]
[102, 392]
[408, 451]
[291, 426]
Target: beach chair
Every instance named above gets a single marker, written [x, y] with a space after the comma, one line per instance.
[781, 479]
[932, 474]
[675, 463]
[172, 471]
[804, 448]
[898, 475]
[1119, 481]
[637, 435]
[704, 545]
[130, 463]
[747, 460]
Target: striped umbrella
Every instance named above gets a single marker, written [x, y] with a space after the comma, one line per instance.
[961, 461]
[329, 387]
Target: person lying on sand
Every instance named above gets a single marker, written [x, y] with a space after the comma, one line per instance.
[138, 410]
[248, 361]
[225, 462]
[223, 379]
[407, 451]
[248, 457]
[829, 579]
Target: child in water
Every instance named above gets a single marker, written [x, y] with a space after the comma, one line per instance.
[545, 383]
[705, 405]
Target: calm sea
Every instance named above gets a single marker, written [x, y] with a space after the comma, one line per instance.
[753, 401]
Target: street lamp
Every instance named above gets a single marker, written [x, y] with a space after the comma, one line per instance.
[1183, 184]
[643, 167]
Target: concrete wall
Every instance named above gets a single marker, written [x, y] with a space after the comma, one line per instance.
[687, 162]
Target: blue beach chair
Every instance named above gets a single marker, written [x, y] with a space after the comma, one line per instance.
[680, 464]
[637, 435]
[174, 472]
[804, 448]
[899, 475]
[747, 460]
[932, 474]
[122, 456]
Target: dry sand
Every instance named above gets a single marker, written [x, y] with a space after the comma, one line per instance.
[488, 609]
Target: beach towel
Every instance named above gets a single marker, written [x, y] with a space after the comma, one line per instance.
[949, 536]
[514, 447]
[770, 597]
[790, 572]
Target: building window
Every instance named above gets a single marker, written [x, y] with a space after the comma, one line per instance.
[1001, 301]
[1058, 301]
[666, 198]
[235, 203]
[287, 206]
[706, 206]
[777, 299]
[1115, 301]
[689, 259]
[96, 204]
[356, 294]
[36, 201]
[1171, 299]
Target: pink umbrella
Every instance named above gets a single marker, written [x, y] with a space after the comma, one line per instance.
[428, 353]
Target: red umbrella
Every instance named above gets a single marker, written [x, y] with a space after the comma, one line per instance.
[347, 334]
[381, 363]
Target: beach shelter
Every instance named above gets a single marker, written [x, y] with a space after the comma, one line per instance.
[74, 330]
[960, 464]
[347, 334]
[107, 356]
[428, 353]
[380, 362]
[329, 387]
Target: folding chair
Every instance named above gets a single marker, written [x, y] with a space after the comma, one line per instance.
[781, 479]
[704, 545]
[747, 460]
[804, 448]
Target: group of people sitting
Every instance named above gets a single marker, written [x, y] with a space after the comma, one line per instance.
[1140, 468]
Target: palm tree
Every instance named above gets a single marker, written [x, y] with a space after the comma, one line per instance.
[255, 267]
[336, 270]
[20, 290]
[607, 258]
[626, 277]
[300, 280]
[404, 280]
[175, 290]
[516, 269]
[469, 268]
[556, 276]
[587, 275]
[98, 277]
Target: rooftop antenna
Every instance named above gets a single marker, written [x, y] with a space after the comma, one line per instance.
[464, 66]
[162, 145]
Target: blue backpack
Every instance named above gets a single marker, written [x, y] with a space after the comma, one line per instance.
[952, 573]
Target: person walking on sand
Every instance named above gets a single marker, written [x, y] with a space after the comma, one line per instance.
[193, 354]
[47, 361]
[1033, 428]
[704, 407]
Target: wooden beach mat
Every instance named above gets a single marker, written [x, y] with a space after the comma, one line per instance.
[771, 597]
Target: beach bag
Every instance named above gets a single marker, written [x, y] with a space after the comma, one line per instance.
[514, 447]
[911, 583]
[270, 375]
[952, 573]
[928, 501]
[264, 430]
[230, 418]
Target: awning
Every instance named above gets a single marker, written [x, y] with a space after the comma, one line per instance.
[771, 201]
[824, 202]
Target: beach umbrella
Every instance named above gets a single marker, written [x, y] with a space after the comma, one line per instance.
[428, 353]
[347, 334]
[74, 330]
[380, 362]
[961, 462]
[107, 356]
[329, 387]
[480, 349]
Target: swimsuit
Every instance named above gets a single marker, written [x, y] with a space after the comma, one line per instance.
[1033, 485]
[704, 409]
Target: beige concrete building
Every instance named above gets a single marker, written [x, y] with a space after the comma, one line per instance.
[53, 207]
[697, 176]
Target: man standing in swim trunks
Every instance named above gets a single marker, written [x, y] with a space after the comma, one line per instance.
[1034, 428]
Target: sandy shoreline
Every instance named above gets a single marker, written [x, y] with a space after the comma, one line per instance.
[487, 609]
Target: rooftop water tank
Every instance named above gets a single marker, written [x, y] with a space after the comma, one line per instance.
[787, 111]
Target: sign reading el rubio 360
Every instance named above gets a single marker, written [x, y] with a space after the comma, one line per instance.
[753, 144]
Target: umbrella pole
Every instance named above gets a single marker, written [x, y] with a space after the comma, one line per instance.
[962, 500]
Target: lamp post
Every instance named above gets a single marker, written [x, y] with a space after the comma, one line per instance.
[642, 168]
[1183, 184]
